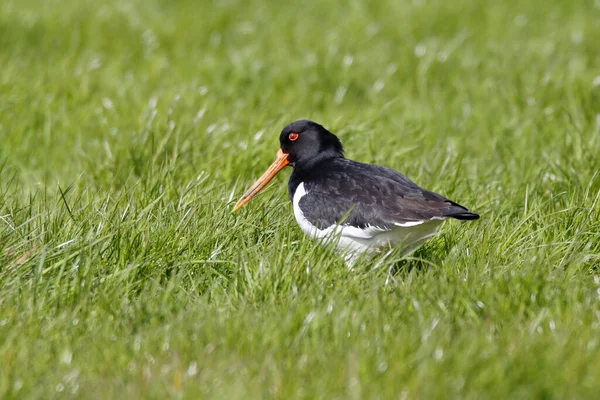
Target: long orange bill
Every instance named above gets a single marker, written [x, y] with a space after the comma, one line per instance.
[280, 162]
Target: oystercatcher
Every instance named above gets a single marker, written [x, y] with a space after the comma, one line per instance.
[362, 207]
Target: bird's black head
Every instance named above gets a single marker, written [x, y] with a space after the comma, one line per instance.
[303, 144]
[306, 142]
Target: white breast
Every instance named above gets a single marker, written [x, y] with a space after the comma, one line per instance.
[351, 242]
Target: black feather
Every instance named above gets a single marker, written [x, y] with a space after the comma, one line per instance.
[352, 193]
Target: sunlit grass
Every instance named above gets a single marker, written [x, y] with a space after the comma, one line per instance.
[128, 129]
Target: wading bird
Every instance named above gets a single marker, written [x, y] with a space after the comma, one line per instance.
[362, 207]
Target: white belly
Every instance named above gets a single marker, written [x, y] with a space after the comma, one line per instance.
[351, 242]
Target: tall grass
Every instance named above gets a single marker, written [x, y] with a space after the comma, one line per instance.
[129, 128]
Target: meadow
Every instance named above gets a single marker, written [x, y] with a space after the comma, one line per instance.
[129, 128]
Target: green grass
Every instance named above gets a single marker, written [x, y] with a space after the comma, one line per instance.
[129, 128]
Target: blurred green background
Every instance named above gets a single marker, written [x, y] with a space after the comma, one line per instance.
[129, 128]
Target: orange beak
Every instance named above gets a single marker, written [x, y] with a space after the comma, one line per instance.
[280, 162]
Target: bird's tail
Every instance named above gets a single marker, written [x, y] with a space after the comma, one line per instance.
[459, 212]
[465, 216]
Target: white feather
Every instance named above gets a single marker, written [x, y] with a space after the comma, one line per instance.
[409, 223]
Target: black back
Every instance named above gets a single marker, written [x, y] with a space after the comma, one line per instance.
[339, 190]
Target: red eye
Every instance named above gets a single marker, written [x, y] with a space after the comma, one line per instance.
[293, 136]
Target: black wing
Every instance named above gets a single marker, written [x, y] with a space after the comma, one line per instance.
[361, 195]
